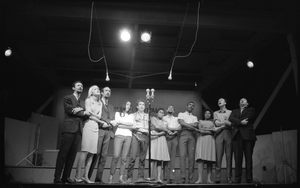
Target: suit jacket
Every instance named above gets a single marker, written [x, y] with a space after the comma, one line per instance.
[247, 130]
[73, 122]
[108, 114]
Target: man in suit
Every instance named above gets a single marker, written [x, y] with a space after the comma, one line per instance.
[243, 139]
[71, 137]
[223, 140]
[105, 134]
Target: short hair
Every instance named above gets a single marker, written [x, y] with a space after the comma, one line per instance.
[190, 102]
[77, 81]
[160, 109]
[223, 99]
[140, 100]
[102, 90]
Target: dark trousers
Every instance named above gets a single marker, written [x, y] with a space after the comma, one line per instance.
[243, 147]
[187, 143]
[67, 154]
[138, 148]
[103, 143]
[172, 147]
[223, 143]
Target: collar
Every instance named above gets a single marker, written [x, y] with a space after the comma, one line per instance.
[104, 101]
[76, 96]
[188, 113]
[223, 111]
[243, 108]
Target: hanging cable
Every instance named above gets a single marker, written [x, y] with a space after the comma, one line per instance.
[196, 36]
[101, 42]
[90, 35]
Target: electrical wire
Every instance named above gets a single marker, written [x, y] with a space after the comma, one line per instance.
[90, 35]
[196, 37]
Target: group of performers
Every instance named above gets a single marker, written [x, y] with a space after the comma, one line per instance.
[92, 123]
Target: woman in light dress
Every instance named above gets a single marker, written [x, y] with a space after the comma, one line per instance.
[159, 148]
[205, 147]
[89, 134]
[124, 123]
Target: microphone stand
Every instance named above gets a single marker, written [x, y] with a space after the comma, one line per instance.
[150, 98]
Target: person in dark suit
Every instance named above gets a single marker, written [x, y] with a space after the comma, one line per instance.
[106, 133]
[243, 139]
[71, 136]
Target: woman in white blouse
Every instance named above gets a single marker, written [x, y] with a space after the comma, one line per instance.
[124, 122]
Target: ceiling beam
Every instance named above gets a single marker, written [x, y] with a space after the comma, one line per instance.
[142, 14]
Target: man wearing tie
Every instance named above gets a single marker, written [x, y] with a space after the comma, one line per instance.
[71, 137]
[105, 134]
[243, 139]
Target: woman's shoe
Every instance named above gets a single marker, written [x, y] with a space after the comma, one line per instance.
[210, 182]
[198, 182]
[160, 182]
[78, 180]
[122, 182]
[87, 180]
[110, 181]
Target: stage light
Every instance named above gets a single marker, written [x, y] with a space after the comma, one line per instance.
[125, 35]
[250, 64]
[146, 36]
[107, 77]
[170, 75]
[8, 52]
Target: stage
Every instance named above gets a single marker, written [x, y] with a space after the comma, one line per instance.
[145, 185]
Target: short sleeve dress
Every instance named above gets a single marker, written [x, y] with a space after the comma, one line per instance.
[205, 147]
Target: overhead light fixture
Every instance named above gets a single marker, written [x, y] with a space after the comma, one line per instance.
[8, 52]
[250, 64]
[107, 77]
[125, 35]
[146, 36]
[170, 75]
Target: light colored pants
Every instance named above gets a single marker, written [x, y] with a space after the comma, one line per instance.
[187, 143]
[121, 148]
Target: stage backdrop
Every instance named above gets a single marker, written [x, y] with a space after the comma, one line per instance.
[163, 98]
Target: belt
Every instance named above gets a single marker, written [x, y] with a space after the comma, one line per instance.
[142, 133]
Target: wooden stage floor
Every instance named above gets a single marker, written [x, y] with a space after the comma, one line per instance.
[145, 185]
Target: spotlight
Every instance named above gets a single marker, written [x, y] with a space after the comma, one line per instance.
[125, 35]
[146, 36]
[250, 64]
[8, 52]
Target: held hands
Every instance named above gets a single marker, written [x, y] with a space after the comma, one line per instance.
[76, 110]
[244, 121]
[105, 125]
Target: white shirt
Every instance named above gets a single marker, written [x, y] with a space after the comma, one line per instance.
[187, 117]
[172, 121]
[127, 118]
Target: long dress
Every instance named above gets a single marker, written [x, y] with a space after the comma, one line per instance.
[159, 146]
[205, 147]
[90, 130]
